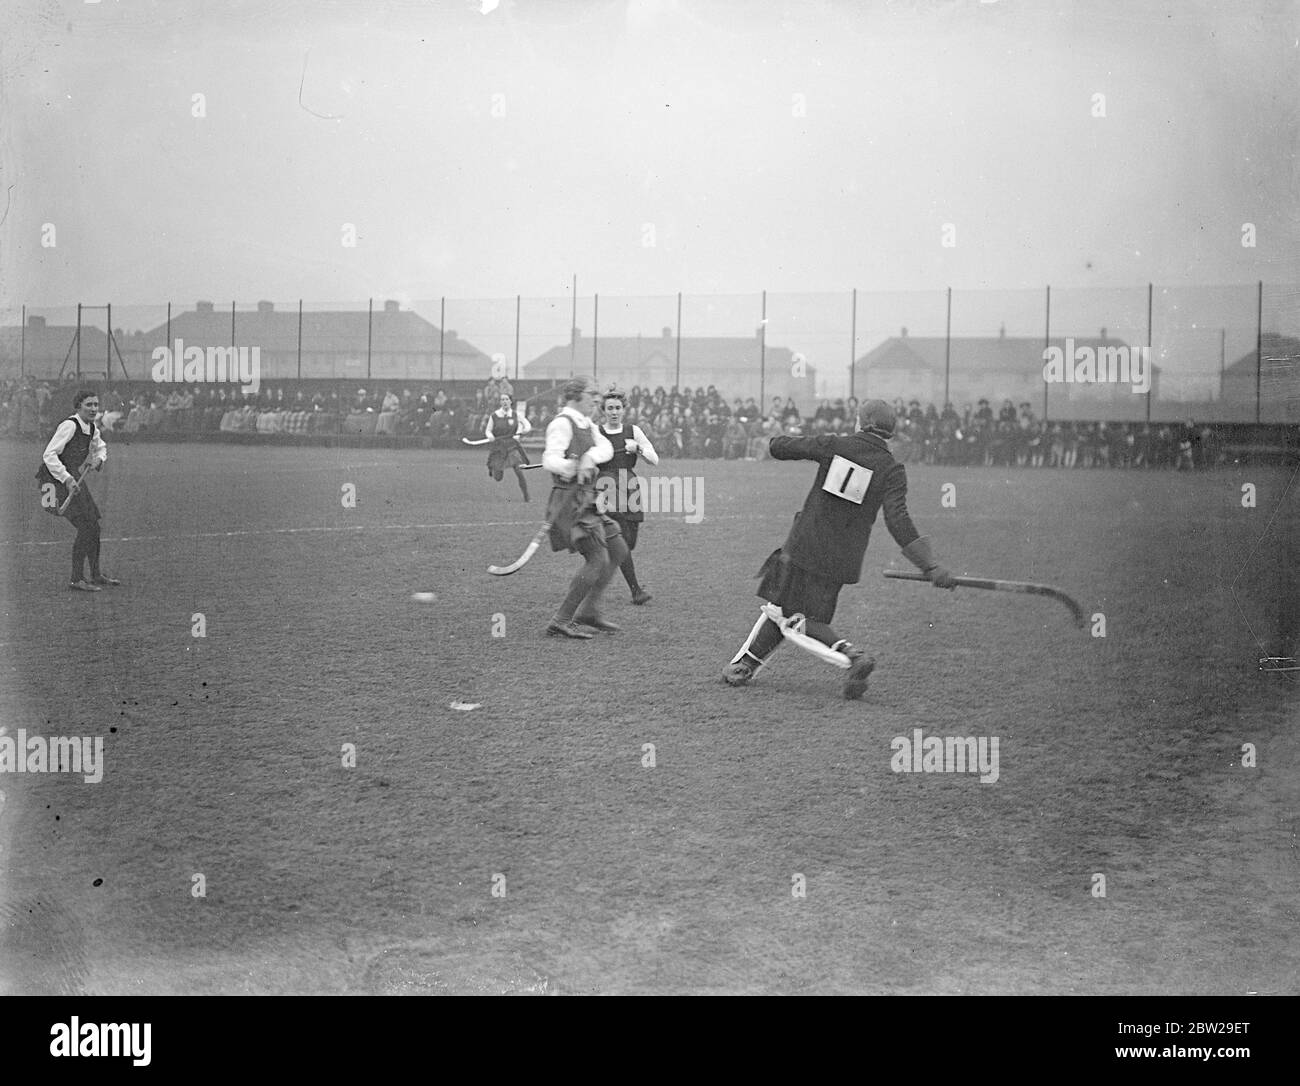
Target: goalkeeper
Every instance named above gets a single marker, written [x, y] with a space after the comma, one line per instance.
[856, 477]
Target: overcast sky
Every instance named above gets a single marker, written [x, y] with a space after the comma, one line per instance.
[648, 146]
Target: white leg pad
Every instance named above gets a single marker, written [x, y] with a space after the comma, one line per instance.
[750, 639]
[792, 629]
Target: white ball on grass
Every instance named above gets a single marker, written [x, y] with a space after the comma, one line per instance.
[423, 597]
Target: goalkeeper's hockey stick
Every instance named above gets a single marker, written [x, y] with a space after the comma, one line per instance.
[522, 560]
[1000, 586]
[72, 490]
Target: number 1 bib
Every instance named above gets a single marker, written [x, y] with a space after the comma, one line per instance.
[847, 480]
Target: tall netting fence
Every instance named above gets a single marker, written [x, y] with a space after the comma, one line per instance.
[1132, 355]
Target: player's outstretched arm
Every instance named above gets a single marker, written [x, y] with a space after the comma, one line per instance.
[916, 548]
[818, 447]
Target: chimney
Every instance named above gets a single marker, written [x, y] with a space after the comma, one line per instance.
[392, 307]
[202, 307]
[35, 322]
[903, 334]
[668, 333]
[1002, 331]
[1103, 334]
[266, 307]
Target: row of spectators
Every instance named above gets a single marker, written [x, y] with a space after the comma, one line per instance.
[697, 423]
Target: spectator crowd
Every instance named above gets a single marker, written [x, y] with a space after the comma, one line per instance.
[693, 423]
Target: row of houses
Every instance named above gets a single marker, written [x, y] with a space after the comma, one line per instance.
[398, 344]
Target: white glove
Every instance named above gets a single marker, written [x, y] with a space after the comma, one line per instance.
[629, 445]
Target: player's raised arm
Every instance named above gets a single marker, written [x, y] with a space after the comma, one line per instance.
[817, 447]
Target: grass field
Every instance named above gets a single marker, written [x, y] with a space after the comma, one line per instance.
[1119, 756]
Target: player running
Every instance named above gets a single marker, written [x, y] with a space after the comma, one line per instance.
[619, 484]
[504, 427]
[856, 476]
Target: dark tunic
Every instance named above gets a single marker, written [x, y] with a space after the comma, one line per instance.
[72, 457]
[506, 451]
[623, 462]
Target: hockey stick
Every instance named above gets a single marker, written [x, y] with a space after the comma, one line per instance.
[1000, 586]
[74, 490]
[522, 560]
[480, 441]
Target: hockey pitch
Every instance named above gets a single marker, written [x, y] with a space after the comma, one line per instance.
[311, 782]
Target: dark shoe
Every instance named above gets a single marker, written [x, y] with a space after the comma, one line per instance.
[568, 629]
[111, 582]
[597, 623]
[855, 685]
[641, 597]
[738, 674]
[84, 586]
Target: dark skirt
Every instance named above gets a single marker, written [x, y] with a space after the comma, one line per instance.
[626, 508]
[796, 590]
[506, 453]
[82, 505]
[571, 512]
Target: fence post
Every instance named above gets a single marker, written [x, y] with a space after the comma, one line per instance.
[22, 346]
[947, 349]
[853, 351]
[762, 355]
[1150, 363]
[79, 343]
[518, 303]
[573, 328]
[678, 382]
[1223, 347]
[299, 339]
[442, 333]
[1047, 343]
[1259, 346]
[595, 330]
[108, 345]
